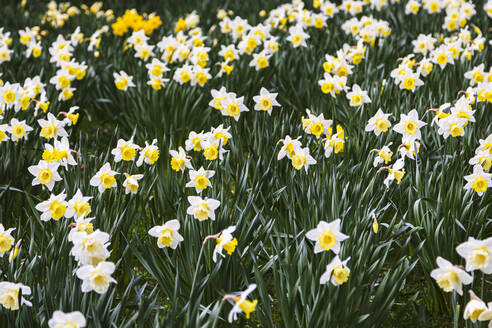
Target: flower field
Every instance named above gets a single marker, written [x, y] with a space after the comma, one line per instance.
[246, 163]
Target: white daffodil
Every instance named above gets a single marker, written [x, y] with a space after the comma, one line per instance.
[479, 180]
[53, 208]
[131, 183]
[474, 308]
[45, 173]
[81, 224]
[200, 179]
[409, 126]
[52, 128]
[6, 239]
[265, 101]
[225, 241]
[78, 206]
[96, 278]
[384, 155]
[180, 160]
[302, 158]
[125, 150]
[477, 254]
[61, 319]
[379, 123]
[450, 277]
[9, 295]
[90, 248]
[221, 134]
[202, 209]
[123, 81]
[18, 129]
[396, 172]
[327, 236]
[288, 146]
[241, 304]
[233, 106]
[104, 178]
[336, 272]
[357, 96]
[149, 154]
[167, 234]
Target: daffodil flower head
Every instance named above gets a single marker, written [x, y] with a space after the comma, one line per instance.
[265, 101]
[131, 183]
[6, 239]
[241, 304]
[450, 277]
[45, 173]
[327, 236]
[96, 278]
[9, 295]
[336, 272]
[167, 234]
[104, 178]
[477, 254]
[225, 241]
[73, 319]
[478, 180]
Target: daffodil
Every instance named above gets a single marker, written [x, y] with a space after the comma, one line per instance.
[3, 129]
[96, 278]
[167, 234]
[477, 254]
[125, 150]
[409, 126]
[395, 172]
[53, 208]
[379, 123]
[90, 248]
[288, 146]
[336, 272]
[226, 241]
[474, 308]
[302, 158]
[18, 129]
[131, 183]
[383, 155]
[451, 125]
[72, 319]
[357, 96]
[45, 173]
[9, 295]
[179, 160]
[241, 304]
[450, 277]
[6, 239]
[478, 180]
[123, 81]
[149, 154]
[200, 179]
[233, 106]
[202, 209]
[327, 236]
[265, 101]
[104, 178]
